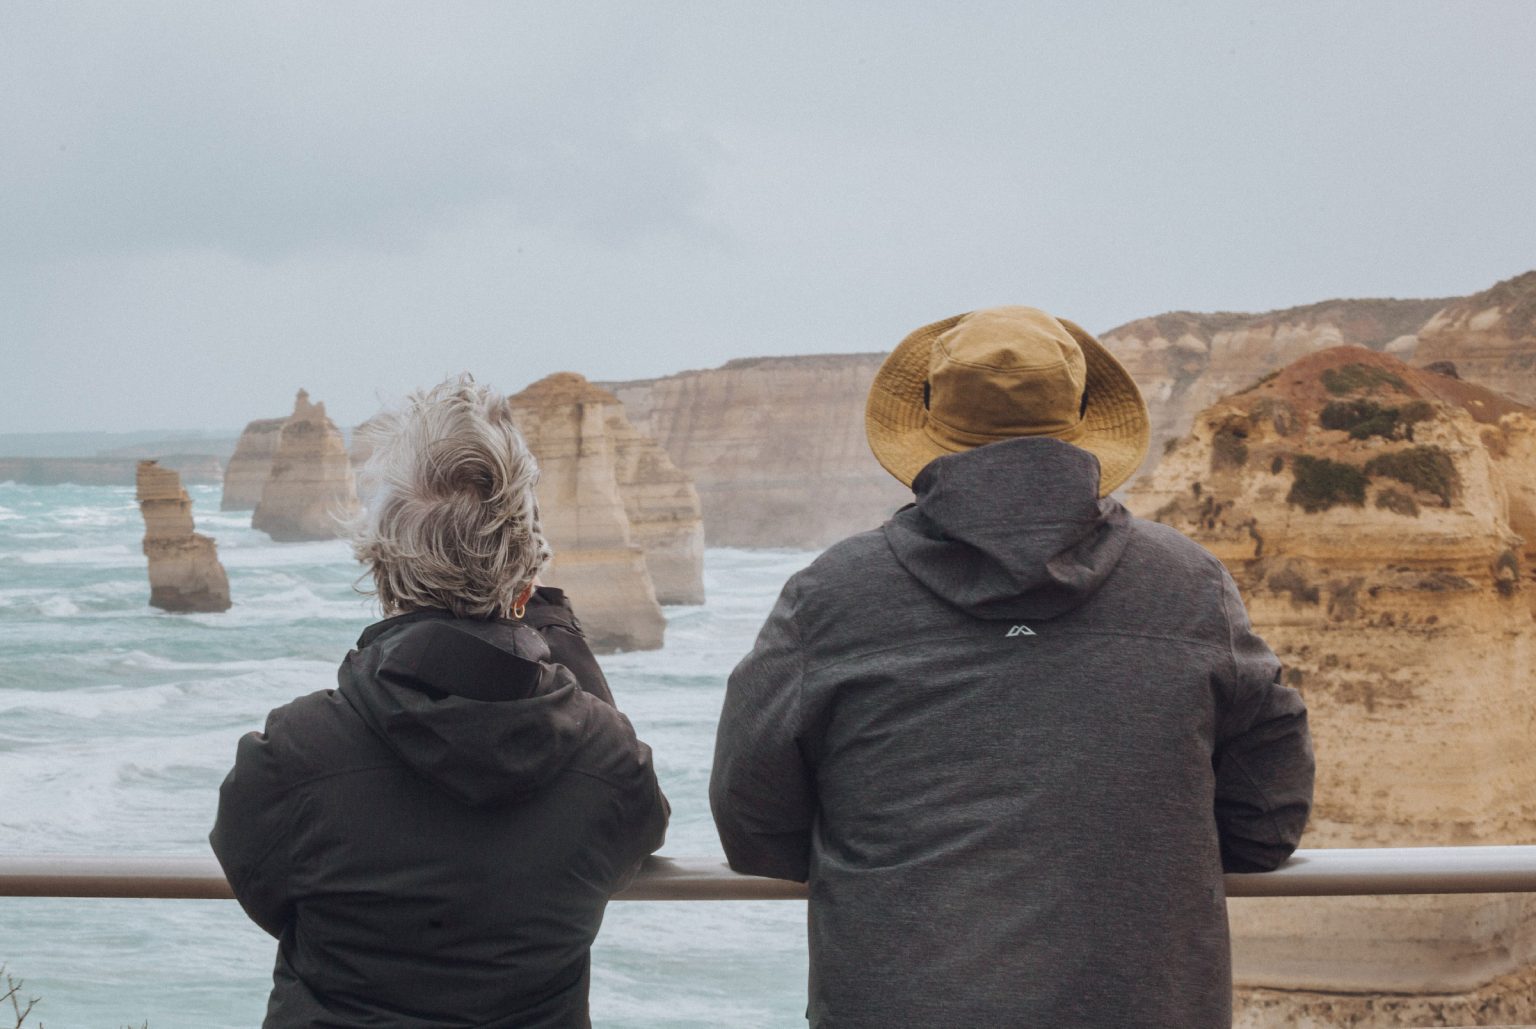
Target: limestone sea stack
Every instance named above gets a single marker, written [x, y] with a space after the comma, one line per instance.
[564, 418]
[250, 464]
[184, 569]
[1380, 521]
[775, 447]
[663, 509]
[310, 488]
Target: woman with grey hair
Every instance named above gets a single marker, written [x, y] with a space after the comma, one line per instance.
[433, 843]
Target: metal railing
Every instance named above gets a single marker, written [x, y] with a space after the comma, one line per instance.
[1309, 873]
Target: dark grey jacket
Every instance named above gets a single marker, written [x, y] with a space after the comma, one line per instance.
[1012, 739]
[434, 842]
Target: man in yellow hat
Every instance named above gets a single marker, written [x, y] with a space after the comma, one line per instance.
[1013, 737]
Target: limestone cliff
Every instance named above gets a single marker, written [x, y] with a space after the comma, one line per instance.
[1184, 361]
[1490, 337]
[250, 464]
[597, 562]
[310, 487]
[1378, 520]
[775, 447]
[184, 569]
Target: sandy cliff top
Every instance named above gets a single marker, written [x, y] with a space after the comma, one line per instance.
[563, 388]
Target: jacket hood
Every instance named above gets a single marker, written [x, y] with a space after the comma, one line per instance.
[1013, 529]
[472, 706]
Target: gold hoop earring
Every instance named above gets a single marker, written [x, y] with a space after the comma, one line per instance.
[519, 609]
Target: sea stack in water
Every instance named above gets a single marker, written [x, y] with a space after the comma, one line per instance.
[1381, 523]
[564, 418]
[310, 488]
[250, 464]
[663, 509]
[184, 569]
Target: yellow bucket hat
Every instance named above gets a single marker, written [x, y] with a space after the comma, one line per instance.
[1001, 373]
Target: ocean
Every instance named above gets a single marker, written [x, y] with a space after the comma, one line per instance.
[118, 722]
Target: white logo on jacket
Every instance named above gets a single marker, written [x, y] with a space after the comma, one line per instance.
[1021, 630]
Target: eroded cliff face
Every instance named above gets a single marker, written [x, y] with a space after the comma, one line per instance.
[184, 569]
[310, 488]
[250, 464]
[597, 562]
[1490, 337]
[775, 447]
[1376, 518]
[1185, 361]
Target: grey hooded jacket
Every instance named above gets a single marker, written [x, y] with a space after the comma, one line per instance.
[1012, 739]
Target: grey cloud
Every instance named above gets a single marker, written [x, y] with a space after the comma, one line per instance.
[207, 204]
[265, 135]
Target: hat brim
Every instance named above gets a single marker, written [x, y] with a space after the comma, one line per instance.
[1115, 426]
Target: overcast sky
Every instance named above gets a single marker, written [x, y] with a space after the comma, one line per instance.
[204, 206]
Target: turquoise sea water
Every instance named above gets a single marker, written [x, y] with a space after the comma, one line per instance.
[118, 722]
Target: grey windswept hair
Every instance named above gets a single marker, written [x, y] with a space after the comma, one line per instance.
[449, 518]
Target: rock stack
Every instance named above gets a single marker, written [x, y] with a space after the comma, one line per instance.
[184, 569]
[565, 420]
[1381, 523]
[663, 509]
[251, 464]
[310, 489]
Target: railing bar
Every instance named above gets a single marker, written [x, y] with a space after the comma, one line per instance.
[1310, 873]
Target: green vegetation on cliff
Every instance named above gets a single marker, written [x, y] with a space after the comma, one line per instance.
[1321, 484]
[1425, 469]
[1354, 378]
[1363, 419]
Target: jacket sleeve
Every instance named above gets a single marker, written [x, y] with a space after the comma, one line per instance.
[761, 789]
[549, 611]
[251, 832]
[650, 814]
[1263, 760]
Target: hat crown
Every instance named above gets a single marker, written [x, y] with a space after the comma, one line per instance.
[1000, 373]
[1005, 372]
